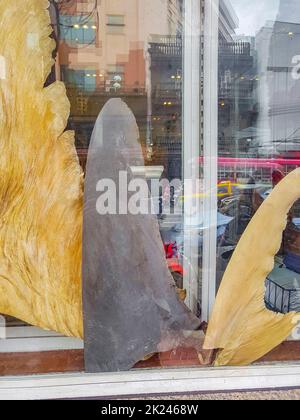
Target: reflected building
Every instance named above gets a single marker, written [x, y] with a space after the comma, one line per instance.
[166, 103]
[237, 82]
[104, 51]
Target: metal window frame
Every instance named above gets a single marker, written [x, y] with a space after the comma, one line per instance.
[192, 147]
[191, 140]
[211, 33]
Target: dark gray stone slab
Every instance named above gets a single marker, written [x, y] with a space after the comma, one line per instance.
[129, 296]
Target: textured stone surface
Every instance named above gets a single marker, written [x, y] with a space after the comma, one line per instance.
[41, 179]
[129, 296]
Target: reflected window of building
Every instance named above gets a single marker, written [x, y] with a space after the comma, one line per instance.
[115, 24]
[255, 110]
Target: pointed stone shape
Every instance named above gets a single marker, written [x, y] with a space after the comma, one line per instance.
[129, 296]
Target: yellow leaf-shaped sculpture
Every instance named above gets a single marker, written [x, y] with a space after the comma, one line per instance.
[41, 208]
[241, 325]
[41, 179]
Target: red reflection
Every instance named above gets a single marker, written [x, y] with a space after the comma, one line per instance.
[255, 162]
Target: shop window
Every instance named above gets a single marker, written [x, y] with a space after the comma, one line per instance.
[199, 100]
[137, 85]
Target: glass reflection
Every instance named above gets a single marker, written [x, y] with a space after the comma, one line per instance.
[133, 50]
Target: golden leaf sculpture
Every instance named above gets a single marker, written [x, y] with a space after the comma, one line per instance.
[41, 179]
[241, 325]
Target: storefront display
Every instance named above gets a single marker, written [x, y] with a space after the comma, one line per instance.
[241, 324]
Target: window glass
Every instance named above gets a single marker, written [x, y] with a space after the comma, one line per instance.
[199, 99]
[258, 115]
[144, 69]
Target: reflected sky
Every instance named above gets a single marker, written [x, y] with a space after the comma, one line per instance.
[254, 14]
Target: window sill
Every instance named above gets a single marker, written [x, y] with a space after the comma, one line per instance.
[150, 382]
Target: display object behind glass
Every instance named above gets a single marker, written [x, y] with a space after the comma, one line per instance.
[259, 97]
[131, 307]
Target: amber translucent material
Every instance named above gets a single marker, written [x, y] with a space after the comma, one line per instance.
[241, 325]
[41, 179]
